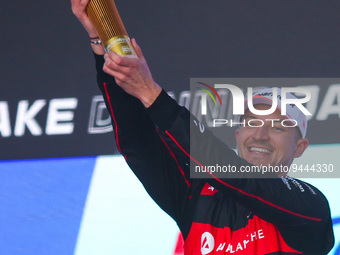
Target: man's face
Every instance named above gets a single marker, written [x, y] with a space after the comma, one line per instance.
[271, 143]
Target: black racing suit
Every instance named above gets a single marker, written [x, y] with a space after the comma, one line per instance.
[215, 216]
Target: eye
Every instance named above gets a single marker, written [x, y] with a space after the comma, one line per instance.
[252, 122]
[278, 128]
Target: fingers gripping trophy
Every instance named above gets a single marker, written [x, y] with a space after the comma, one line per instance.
[106, 19]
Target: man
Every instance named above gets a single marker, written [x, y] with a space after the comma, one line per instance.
[215, 215]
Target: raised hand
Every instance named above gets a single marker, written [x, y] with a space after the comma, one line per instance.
[133, 75]
[79, 10]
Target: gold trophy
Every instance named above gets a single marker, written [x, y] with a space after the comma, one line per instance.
[105, 17]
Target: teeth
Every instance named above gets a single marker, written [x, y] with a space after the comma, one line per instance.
[259, 149]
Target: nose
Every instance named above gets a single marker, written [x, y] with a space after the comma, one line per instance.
[261, 133]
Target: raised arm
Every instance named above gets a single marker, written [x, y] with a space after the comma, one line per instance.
[137, 137]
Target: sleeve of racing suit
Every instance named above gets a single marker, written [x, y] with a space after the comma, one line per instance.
[300, 211]
[148, 156]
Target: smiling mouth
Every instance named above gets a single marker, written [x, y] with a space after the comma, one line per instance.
[260, 150]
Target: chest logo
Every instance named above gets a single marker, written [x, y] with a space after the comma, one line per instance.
[207, 243]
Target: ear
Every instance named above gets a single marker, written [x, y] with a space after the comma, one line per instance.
[301, 146]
